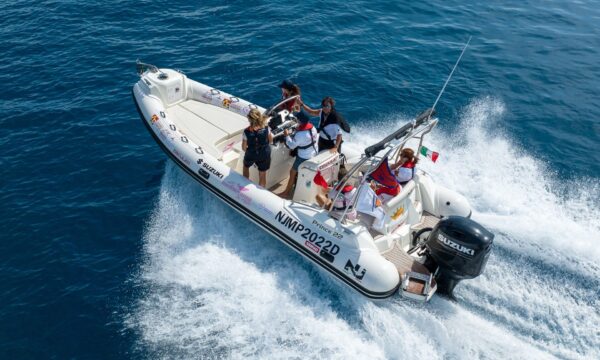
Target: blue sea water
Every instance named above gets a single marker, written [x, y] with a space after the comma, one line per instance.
[108, 250]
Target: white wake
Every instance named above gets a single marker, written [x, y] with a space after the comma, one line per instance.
[217, 286]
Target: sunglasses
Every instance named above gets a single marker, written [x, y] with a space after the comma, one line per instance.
[326, 106]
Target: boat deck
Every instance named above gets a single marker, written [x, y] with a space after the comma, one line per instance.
[427, 221]
[280, 186]
[207, 125]
[405, 263]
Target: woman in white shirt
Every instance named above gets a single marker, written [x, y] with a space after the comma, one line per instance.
[330, 133]
[404, 169]
[305, 140]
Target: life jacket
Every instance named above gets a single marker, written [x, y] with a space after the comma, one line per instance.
[306, 127]
[331, 118]
[409, 164]
[257, 140]
[384, 176]
[342, 202]
[406, 171]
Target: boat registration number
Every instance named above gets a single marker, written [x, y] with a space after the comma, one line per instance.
[316, 242]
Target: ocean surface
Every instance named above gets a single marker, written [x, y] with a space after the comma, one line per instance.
[109, 251]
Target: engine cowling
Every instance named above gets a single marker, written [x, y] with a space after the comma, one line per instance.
[460, 248]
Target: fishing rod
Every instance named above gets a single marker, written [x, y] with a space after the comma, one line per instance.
[448, 79]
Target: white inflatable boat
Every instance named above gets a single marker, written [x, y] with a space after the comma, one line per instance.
[423, 239]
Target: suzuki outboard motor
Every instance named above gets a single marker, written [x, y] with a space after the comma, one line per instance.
[460, 248]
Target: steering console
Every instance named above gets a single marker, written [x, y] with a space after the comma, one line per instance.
[283, 120]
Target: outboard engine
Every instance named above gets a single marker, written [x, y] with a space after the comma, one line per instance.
[460, 248]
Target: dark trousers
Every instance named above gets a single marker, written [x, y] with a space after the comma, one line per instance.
[325, 144]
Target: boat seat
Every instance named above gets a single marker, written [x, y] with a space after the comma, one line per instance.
[202, 133]
[396, 209]
[223, 119]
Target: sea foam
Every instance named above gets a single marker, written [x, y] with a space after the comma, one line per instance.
[217, 286]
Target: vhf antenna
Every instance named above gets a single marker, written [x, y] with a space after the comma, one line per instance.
[448, 79]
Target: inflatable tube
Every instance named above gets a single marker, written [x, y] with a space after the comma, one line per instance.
[309, 231]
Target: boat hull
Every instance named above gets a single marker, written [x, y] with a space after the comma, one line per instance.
[305, 229]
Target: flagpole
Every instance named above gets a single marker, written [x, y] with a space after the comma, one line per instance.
[441, 92]
[449, 76]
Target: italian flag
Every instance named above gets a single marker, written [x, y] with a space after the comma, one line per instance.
[430, 154]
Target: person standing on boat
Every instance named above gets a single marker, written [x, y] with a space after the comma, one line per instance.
[404, 168]
[330, 132]
[305, 141]
[289, 89]
[256, 142]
